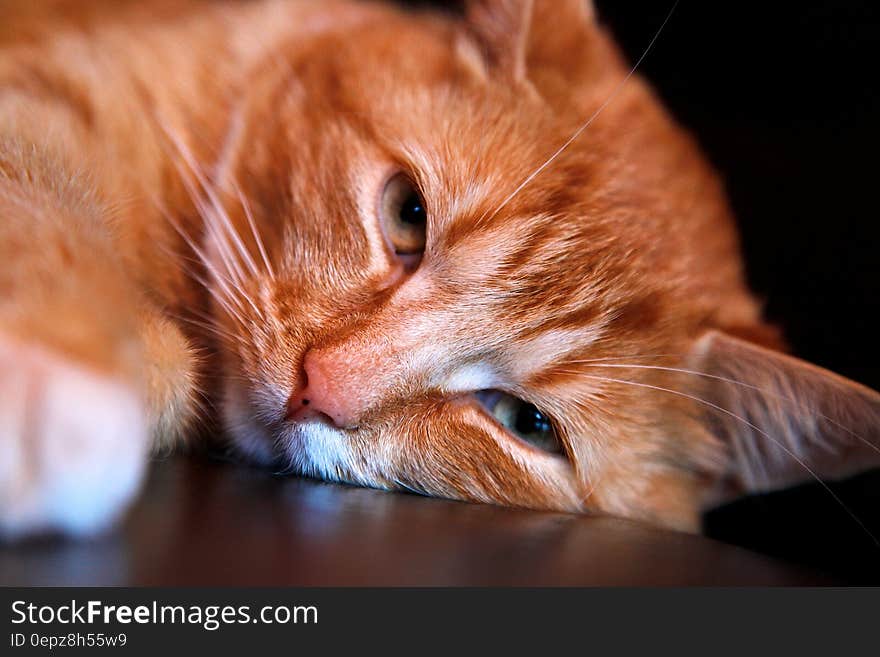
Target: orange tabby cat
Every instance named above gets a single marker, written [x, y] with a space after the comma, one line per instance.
[353, 232]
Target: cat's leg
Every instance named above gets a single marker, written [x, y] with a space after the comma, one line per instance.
[171, 377]
[89, 373]
[72, 441]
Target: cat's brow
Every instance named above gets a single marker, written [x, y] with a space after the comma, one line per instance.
[542, 351]
[586, 124]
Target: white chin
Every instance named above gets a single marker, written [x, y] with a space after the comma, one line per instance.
[318, 450]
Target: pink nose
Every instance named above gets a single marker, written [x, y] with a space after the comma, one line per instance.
[322, 398]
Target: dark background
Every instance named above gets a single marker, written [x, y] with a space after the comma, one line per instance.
[785, 99]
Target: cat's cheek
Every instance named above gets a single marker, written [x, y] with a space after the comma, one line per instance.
[454, 450]
[249, 438]
[666, 498]
[553, 475]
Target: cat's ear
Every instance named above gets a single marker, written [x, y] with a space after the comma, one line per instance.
[782, 421]
[513, 32]
[501, 28]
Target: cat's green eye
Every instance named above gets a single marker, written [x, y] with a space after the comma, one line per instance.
[404, 216]
[521, 419]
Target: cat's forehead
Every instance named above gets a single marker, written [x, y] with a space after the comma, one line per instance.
[469, 138]
[539, 234]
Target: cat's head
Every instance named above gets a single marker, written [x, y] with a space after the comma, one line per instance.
[435, 305]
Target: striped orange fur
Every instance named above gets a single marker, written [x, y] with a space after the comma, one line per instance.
[191, 236]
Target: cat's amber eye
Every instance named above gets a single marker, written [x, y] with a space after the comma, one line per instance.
[521, 419]
[404, 216]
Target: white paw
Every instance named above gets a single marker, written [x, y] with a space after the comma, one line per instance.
[73, 444]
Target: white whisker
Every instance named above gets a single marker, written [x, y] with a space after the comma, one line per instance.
[253, 226]
[216, 205]
[210, 327]
[224, 249]
[227, 286]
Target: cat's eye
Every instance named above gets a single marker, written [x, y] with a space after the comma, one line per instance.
[521, 419]
[404, 216]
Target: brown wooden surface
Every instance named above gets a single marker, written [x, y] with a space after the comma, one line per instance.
[206, 523]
